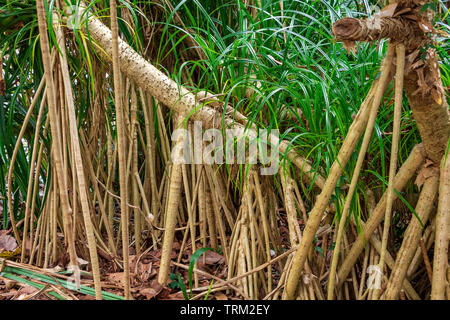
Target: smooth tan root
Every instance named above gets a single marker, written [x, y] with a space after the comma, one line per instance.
[121, 147]
[399, 75]
[11, 168]
[78, 163]
[390, 262]
[57, 155]
[385, 72]
[412, 237]
[440, 261]
[406, 172]
[350, 142]
[291, 210]
[176, 176]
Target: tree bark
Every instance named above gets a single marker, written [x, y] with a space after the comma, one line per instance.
[406, 172]
[430, 108]
[412, 237]
[372, 29]
[440, 261]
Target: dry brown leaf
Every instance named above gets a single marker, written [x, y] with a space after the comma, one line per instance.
[7, 243]
[150, 293]
[211, 257]
[2, 87]
[175, 296]
[388, 11]
[133, 260]
[117, 277]
[176, 245]
[82, 262]
[307, 278]
[425, 26]
[374, 22]
[164, 294]
[2, 232]
[55, 269]
[220, 296]
[436, 96]
[428, 170]
[349, 46]
[411, 17]
[421, 83]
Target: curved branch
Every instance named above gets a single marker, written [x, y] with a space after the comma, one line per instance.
[397, 29]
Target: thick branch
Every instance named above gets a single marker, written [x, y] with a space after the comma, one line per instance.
[377, 28]
[412, 237]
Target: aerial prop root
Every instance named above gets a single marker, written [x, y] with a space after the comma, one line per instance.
[351, 140]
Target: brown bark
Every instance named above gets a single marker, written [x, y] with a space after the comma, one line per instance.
[412, 238]
[409, 167]
[121, 147]
[412, 3]
[440, 261]
[427, 100]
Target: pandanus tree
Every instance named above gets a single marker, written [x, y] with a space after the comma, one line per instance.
[413, 60]
[101, 147]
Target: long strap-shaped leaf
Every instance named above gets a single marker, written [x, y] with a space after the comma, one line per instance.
[15, 273]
